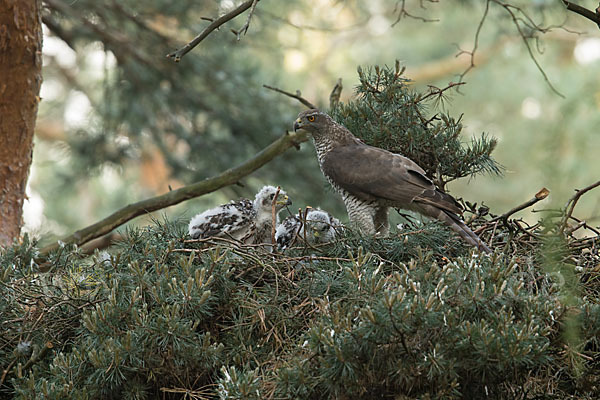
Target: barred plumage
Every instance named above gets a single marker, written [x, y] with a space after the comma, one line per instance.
[248, 221]
[319, 227]
[371, 180]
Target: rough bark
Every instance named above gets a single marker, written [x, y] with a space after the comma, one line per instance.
[20, 81]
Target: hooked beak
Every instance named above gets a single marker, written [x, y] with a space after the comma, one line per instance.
[316, 234]
[284, 201]
[297, 124]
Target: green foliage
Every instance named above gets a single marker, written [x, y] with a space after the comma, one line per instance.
[388, 113]
[159, 316]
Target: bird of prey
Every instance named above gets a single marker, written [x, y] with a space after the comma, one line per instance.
[317, 227]
[247, 221]
[371, 180]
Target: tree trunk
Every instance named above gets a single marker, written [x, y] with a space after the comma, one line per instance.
[20, 81]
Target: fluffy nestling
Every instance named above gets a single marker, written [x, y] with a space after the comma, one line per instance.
[371, 180]
[319, 227]
[248, 221]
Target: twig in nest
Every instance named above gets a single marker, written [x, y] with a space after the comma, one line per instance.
[297, 96]
[573, 202]
[541, 195]
[176, 55]
[274, 216]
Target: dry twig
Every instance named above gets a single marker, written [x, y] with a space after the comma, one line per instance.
[245, 27]
[297, 96]
[573, 202]
[541, 195]
[176, 55]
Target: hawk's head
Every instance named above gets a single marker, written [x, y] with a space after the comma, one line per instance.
[312, 121]
[267, 195]
[319, 225]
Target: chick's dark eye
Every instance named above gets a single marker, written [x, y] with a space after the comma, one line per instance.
[311, 118]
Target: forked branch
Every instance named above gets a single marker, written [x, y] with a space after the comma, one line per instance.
[176, 55]
[297, 96]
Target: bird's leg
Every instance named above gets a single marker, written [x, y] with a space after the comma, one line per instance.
[364, 221]
[382, 222]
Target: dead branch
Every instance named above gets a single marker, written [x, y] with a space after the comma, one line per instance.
[573, 202]
[176, 55]
[584, 12]
[244, 28]
[522, 23]
[297, 96]
[541, 195]
[334, 97]
[400, 8]
[228, 177]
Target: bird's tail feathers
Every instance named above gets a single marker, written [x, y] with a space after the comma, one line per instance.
[458, 226]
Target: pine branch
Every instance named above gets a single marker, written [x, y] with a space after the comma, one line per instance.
[176, 55]
[209, 185]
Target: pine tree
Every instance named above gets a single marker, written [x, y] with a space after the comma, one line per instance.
[388, 113]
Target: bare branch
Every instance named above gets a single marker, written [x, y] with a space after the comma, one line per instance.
[176, 55]
[476, 43]
[573, 202]
[297, 96]
[229, 177]
[589, 14]
[541, 195]
[400, 8]
[245, 27]
[520, 20]
[334, 97]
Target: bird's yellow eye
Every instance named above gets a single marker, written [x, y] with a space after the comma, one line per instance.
[311, 118]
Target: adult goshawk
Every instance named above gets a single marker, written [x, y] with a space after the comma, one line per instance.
[371, 180]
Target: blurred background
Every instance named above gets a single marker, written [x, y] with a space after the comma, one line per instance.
[119, 122]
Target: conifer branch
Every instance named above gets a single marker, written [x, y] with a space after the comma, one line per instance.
[228, 177]
[177, 54]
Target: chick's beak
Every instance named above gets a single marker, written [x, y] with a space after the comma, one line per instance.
[285, 201]
[316, 234]
[297, 124]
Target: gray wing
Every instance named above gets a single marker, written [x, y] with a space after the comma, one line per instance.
[370, 173]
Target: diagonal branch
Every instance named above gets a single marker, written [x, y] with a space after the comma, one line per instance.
[297, 96]
[226, 178]
[573, 202]
[541, 195]
[584, 12]
[244, 29]
[176, 55]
